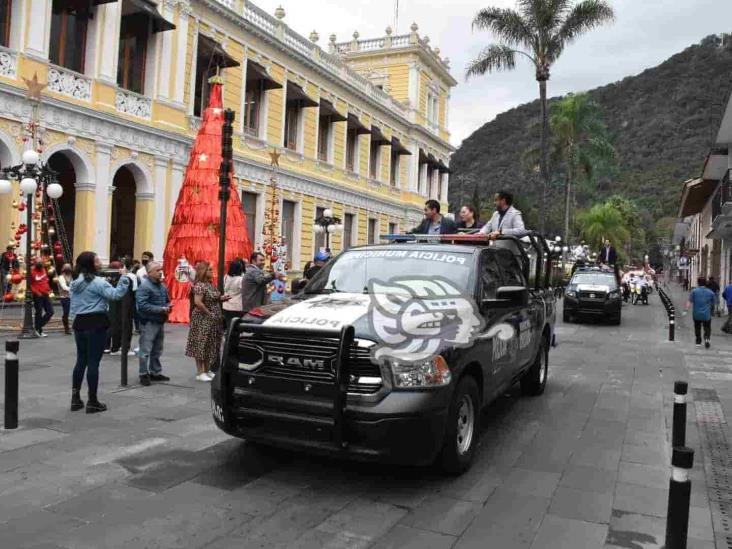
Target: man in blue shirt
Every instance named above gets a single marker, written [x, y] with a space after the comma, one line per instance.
[727, 296]
[703, 300]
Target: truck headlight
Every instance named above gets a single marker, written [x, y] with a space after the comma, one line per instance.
[615, 294]
[427, 373]
[570, 293]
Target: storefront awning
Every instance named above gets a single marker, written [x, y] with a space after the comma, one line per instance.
[215, 54]
[355, 124]
[256, 72]
[695, 195]
[398, 148]
[146, 9]
[377, 136]
[296, 94]
[327, 109]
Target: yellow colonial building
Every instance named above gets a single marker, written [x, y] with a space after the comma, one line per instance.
[362, 125]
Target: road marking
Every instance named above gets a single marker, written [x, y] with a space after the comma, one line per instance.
[125, 451]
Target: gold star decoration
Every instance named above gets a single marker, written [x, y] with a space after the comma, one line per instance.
[34, 87]
[275, 157]
[195, 191]
[212, 227]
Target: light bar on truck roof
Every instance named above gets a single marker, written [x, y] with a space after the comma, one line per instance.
[436, 238]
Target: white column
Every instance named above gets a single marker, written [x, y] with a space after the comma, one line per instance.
[413, 89]
[110, 18]
[445, 179]
[413, 175]
[159, 210]
[103, 179]
[39, 31]
[166, 56]
[181, 35]
[176, 184]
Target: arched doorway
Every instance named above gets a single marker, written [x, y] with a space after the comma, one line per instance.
[62, 165]
[122, 226]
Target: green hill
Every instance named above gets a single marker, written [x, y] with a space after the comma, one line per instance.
[662, 122]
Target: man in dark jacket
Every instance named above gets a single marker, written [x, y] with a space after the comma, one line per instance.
[254, 283]
[153, 307]
[607, 254]
[433, 222]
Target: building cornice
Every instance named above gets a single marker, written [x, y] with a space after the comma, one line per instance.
[107, 131]
[272, 40]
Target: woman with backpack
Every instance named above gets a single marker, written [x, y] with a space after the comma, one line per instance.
[90, 297]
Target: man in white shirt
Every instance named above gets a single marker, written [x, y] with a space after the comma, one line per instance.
[145, 259]
[506, 220]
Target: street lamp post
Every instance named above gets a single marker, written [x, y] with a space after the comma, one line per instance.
[32, 174]
[227, 155]
[327, 224]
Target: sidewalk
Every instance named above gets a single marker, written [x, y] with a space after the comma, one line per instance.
[585, 466]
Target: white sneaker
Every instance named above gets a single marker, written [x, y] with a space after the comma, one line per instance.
[43, 334]
[210, 375]
[131, 353]
[136, 349]
[202, 377]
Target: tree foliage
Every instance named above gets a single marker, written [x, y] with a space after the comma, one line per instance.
[603, 222]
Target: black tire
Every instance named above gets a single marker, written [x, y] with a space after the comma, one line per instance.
[533, 381]
[567, 317]
[453, 458]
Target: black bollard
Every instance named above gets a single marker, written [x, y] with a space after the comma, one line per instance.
[679, 498]
[678, 433]
[671, 328]
[11, 384]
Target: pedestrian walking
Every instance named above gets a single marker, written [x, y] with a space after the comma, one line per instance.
[727, 296]
[714, 286]
[41, 289]
[207, 326]
[701, 299]
[154, 307]
[64, 284]
[8, 262]
[254, 283]
[469, 218]
[90, 297]
[128, 310]
[232, 287]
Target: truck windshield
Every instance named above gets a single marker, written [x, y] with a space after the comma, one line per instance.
[596, 279]
[351, 271]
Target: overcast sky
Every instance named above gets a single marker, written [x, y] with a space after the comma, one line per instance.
[645, 33]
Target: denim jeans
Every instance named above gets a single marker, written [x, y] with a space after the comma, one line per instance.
[152, 336]
[698, 325]
[89, 351]
[44, 311]
[65, 306]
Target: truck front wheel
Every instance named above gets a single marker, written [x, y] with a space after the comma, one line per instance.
[534, 380]
[463, 427]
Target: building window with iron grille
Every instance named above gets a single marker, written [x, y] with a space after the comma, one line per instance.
[211, 59]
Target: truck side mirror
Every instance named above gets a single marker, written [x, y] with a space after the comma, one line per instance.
[508, 296]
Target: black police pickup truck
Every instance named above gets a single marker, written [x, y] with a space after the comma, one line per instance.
[593, 292]
[392, 350]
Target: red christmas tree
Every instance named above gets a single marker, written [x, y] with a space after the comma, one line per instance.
[194, 231]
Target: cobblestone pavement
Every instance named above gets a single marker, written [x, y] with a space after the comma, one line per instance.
[583, 466]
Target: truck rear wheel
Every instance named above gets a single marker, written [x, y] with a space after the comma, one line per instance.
[533, 381]
[463, 427]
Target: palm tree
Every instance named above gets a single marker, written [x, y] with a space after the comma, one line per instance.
[603, 222]
[581, 141]
[538, 30]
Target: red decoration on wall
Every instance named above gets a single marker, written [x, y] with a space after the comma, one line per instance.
[198, 208]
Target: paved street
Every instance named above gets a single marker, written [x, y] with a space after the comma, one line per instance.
[583, 466]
